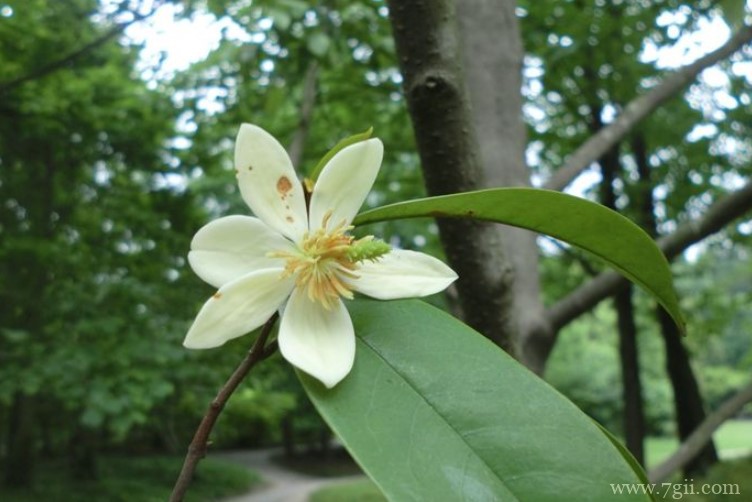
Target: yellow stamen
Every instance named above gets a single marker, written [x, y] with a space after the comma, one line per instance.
[322, 264]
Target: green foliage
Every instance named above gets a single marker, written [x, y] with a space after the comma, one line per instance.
[470, 421]
[591, 341]
[731, 479]
[94, 232]
[253, 415]
[595, 387]
[95, 228]
[733, 440]
[147, 479]
[353, 491]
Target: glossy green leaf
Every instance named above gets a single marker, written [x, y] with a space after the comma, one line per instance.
[582, 223]
[432, 410]
[625, 453]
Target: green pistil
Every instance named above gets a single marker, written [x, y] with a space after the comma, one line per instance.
[367, 248]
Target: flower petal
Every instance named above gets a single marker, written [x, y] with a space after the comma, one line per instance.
[268, 182]
[344, 183]
[231, 247]
[238, 307]
[318, 341]
[402, 274]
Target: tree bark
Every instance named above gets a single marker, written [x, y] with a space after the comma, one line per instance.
[296, 149]
[429, 51]
[633, 415]
[687, 400]
[288, 436]
[82, 455]
[492, 55]
[20, 458]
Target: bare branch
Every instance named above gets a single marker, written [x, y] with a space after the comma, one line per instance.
[588, 295]
[200, 442]
[306, 111]
[68, 59]
[575, 256]
[638, 109]
[699, 438]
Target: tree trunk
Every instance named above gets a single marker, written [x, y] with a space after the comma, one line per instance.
[20, 459]
[492, 53]
[82, 452]
[687, 399]
[288, 436]
[429, 51]
[325, 443]
[688, 403]
[633, 416]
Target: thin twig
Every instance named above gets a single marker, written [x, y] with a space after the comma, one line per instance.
[199, 444]
[582, 261]
[71, 57]
[692, 445]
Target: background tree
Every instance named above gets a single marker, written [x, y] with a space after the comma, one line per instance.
[431, 56]
[93, 238]
[105, 177]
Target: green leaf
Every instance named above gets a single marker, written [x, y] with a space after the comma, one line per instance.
[281, 19]
[343, 143]
[625, 453]
[432, 410]
[318, 43]
[579, 222]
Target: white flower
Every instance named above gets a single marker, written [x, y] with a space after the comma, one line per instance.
[298, 258]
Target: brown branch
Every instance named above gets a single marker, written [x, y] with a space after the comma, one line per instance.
[297, 144]
[638, 109]
[200, 442]
[587, 296]
[573, 255]
[66, 60]
[699, 438]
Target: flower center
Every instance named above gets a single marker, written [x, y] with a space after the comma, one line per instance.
[325, 262]
[322, 264]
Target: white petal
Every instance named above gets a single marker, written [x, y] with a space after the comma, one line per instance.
[318, 341]
[228, 248]
[238, 308]
[268, 182]
[345, 182]
[403, 274]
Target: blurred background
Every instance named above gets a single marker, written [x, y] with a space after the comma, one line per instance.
[117, 124]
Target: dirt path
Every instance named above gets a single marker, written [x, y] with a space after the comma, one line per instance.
[279, 484]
